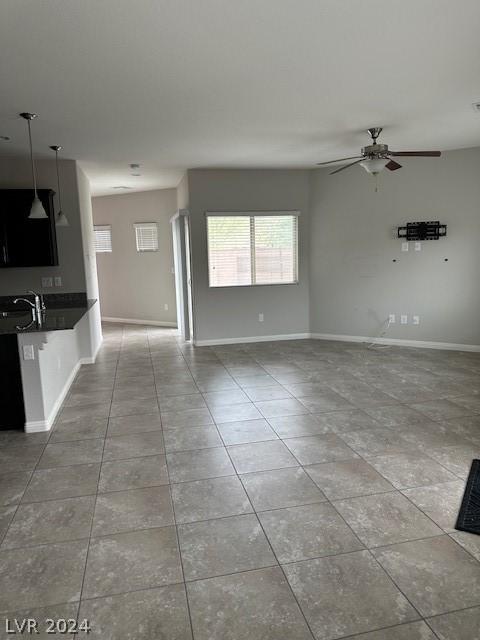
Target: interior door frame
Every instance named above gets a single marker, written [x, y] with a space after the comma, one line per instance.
[182, 263]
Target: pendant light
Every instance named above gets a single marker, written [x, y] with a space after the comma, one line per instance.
[60, 218]
[37, 211]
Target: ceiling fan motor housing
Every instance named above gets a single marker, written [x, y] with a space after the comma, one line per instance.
[375, 151]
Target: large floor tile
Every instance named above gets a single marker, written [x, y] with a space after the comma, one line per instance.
[469, 541]
[6, 516]
[442, 409]
[385, 519]
[15, 458]
[64, 454]
[182, 403]
[12, 487]
[347, 594]
[410, 631]
[347, 478]
[326, 401]
[150, 614]
[457, 459]
[281, 488]
[314, 449]
[436, 575]
[41, 576]
[246, 431]
[394, 415]
[377, 441]
[131, 561]
[222, 546]
[98, 409]
[225, 398]
[133, 406]
[406, 470]
[235, 413]
[261, 456]
[344, 421]
[198, 465]
[260, 394]
[314, 530]
[136, 445]
[255, 605]
[129, 510]
[205, 437]
[126, 425]
[441, 502]
[134, 473]
[299, 425]
[82, 429]
[212, 498]
[52, 521]
[62, 482]
[277, 408]
[186, 418]
[459, 625]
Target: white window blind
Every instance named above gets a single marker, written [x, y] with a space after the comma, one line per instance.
[146, 235]
[252, 249]
[103, 238]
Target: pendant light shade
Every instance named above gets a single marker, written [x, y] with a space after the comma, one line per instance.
[37, 211]
[60, 217]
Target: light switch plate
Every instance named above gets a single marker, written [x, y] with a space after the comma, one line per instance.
[58, 281]
[28, 352]
[260, 317]
[165, 306]
[418, 246]
[403, 319]
[415, 319]
[391, 318]
[47, 282]
[404, 246]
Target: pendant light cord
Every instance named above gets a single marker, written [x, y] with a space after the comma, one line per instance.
[31, 158]
[58, 182]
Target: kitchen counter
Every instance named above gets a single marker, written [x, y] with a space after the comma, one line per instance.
[63, 312]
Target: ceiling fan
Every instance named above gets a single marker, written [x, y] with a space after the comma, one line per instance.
[376, 157]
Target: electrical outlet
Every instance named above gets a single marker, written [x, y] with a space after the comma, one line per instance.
[58, 281]
[260, 317]
[404, 246]
[418, 246]
[165, 306]
[391, 318]
[415, 319]
[47, 282]
[403, 319]
[28, 352]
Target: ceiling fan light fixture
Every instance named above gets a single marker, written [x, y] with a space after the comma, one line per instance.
[374, 165]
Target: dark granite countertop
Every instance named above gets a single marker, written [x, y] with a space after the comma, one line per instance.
[63, 312]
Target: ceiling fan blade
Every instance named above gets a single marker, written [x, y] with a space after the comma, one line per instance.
[319, 164]
[424, 154]
[346, 166]
[393, 166]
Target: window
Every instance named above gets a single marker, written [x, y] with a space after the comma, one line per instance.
[252, 249]
[146, 235]
[103, 238]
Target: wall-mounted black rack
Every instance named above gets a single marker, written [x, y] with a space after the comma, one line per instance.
[415, 231]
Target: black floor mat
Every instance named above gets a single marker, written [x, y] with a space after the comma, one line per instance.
[469, 516]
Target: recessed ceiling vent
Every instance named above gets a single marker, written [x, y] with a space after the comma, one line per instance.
[476, 106]
[121, 186]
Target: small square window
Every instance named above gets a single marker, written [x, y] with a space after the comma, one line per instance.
[103, 238]
[146, 235]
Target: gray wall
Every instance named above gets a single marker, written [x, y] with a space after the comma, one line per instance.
[354, 282]
[16, 174]
[136, 286]
[233, 312]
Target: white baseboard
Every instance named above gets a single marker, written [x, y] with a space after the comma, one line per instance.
[287, 336]
[91, 359]
[155, 323]
[399, 342]
[35, 426]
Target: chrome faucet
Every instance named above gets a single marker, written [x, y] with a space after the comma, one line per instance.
[38, 306]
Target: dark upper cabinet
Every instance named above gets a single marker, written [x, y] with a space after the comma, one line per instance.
[24, 242]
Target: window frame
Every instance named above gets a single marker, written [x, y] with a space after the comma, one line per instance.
[140, 225]
[252, 215]
[102, 227]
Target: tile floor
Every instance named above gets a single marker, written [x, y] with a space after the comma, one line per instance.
[276, 491]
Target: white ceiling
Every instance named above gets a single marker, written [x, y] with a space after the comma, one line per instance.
[177, 84]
